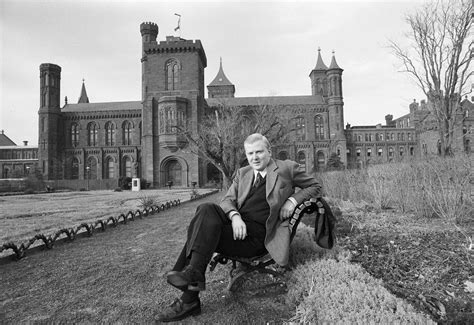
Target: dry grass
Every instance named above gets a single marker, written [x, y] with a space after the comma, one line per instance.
[24, 216]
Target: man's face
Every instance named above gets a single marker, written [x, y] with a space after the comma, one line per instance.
[258, 155]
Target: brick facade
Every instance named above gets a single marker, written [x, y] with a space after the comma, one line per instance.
[102, 142]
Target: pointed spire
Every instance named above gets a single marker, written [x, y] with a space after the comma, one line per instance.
[333, 65]
[221, 79]
[83, 98]
[319, 63]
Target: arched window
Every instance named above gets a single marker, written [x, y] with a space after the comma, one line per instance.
[338, 151]
[358, 152]
[348, 152]
[319, 127]
[359, 138]
[369, 152]
[283, 155]
[377, 137]
[75, 168]
[321, 160]
[246, 126]
[409, 136]
[92, 131]
[172, 75]
[109, 134]
[90, 171]
[381, 136]
[380, 152]
[299, 126]
[127, 166]
[74, 134]
[301, 159]
[127, 133]
[390, 151]
[402, 150]
[110, 168]
[412, 151]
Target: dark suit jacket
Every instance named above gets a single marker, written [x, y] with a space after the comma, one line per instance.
[282, 178]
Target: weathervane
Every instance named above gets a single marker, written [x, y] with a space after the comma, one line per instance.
[179, 25]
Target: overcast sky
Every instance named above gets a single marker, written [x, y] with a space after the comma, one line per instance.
[267, 48]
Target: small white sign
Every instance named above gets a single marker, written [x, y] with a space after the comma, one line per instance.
[136, 184]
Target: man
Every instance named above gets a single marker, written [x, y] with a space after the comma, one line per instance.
[251, 220]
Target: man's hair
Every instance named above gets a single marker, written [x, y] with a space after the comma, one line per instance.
[258, 137]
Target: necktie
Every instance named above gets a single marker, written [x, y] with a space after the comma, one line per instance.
[258, 180]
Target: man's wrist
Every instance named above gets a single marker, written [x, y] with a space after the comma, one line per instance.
[292, 200]
[233, 214]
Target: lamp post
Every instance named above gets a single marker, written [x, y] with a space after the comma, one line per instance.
[88, 171]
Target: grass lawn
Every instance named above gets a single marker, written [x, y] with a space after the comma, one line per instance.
[24, 216]
[118, 276]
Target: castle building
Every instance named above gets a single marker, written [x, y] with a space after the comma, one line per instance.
[99, 143]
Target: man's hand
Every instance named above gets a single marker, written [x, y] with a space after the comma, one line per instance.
[239, 227]
[287, 209]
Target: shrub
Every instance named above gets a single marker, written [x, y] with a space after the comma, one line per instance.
[29, 191]
[125, 183]
[145, 201]
[117, 189]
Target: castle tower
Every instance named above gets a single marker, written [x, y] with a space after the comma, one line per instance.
[336, 110]
[173, 101]
[221, 87]
[318, 77]
[49, 121]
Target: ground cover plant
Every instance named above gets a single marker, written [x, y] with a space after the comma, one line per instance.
[118, 277]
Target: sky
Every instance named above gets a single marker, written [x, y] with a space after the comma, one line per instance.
[267, 48]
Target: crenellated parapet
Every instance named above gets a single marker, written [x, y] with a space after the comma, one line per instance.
[176, 45]
[149, 29]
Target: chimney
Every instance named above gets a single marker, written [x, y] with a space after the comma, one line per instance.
[25, 143]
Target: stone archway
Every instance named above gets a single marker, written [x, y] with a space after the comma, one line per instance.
[173, 172]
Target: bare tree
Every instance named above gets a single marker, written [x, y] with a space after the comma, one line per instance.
[439, 59]
[225, 127]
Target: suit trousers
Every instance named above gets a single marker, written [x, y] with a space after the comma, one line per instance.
[211, 231]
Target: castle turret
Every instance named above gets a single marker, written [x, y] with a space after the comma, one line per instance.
[83, 97]
[336, 107]
[149, 32]
[221, 87]
[49, 120]
[318, 77]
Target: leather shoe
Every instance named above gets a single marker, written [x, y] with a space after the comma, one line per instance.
[180, 310]
[187, 279]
